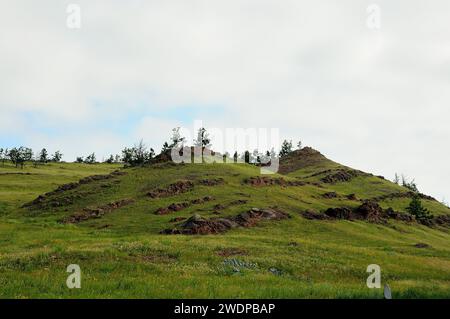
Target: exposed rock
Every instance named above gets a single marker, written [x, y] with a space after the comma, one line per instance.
[173, 189]
[269, 181]
[47, 198]
[369, 211]
[330, 195]
[442, 220]
[351, 197]
[313, 215]
[202, 226]
[390, 213]
[212, 182]
[175, 207]
[98, 212]
[339, 213]
[341, 175]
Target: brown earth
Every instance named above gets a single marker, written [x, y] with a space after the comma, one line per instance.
[173, 189]
[369, 211]
[176, 219]
[341, 175]
[212, 182]
[330, 195]
[175, 207]
[202, 226]
[269, 181]
[313, 215]
[98, 212]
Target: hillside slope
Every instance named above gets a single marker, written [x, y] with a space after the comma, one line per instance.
[223, 230]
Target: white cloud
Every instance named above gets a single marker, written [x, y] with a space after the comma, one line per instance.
[374, 100]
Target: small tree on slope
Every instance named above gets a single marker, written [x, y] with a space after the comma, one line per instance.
[416, 209]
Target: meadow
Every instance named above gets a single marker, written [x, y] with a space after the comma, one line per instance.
[123, 255]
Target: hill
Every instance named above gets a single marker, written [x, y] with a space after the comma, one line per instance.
[217, 231]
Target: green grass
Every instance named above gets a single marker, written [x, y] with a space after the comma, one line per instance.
[130, 259]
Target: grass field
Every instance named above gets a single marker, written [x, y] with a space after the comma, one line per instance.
[123, 255]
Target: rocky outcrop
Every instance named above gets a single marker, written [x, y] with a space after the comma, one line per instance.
[173, 189]
[204, 226]
[97, 212]
[48, 199]
[175, 207]
[270, 181]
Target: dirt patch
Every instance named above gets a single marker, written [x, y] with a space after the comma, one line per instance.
[341, 175]
[270, 181]
[390, 213]
[368, 211]
[212, 182]
[197, 225]
[351, 197]
[175, 207]
[442, 220]
[98, 212]
[313, 215]
[330, 195]
[202, 200]
[228, 252]
[173, 189]
[339, 213]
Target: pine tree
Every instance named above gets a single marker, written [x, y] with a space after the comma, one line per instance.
[165, 147]
[416, 209]
[286, 148]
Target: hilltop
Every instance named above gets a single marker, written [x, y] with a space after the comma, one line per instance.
[219, 230]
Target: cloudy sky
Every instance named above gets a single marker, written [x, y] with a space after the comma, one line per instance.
[376, 99]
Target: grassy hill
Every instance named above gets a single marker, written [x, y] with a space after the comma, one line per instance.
[302, 233]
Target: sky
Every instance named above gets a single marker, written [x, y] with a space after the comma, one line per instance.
[366, 83]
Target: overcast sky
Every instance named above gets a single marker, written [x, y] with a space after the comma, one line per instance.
[374, 99]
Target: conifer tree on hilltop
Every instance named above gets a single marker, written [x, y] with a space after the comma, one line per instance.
[286, 148]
